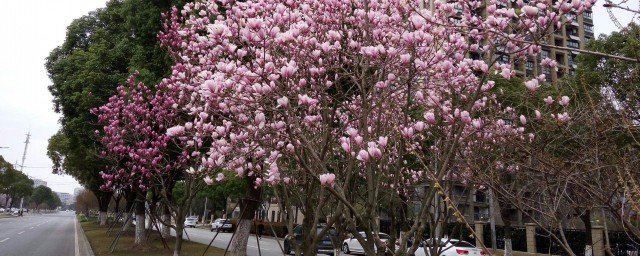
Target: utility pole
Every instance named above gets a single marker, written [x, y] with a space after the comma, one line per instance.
[24, 156]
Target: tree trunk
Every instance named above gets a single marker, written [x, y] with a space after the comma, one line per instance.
[248, 207]
[140, 240]
[166, 219]
[103, 205]
[241, 238]
[586, 220]
[508, 248]
[180, 217]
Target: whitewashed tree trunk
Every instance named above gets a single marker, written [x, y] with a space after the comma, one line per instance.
[140, 230]
[508, 249]
[102, 216]
[588, 250]
[166, 229]
[241, 238]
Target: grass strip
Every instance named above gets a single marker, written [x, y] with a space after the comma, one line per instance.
[101, 242]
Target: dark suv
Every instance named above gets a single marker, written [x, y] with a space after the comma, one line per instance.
[325, 245]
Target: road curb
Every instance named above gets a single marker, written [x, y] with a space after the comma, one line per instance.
[84, 248]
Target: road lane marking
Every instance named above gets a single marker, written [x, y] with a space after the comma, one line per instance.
[31, 228]
[20, 232]
[1, 241]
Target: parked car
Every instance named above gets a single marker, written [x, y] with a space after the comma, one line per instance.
[351, 244]
[450, 247]
[190, 221]
[326, 245]
[223, 225]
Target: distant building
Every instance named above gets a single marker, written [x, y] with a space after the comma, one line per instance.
[38, 182]
[65, 198]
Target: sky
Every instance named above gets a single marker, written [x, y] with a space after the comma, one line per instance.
[30, 30]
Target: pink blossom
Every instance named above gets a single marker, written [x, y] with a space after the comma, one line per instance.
[506, 73]
[548, 100]
[306, 100]
[564, 117]
[175, 131]
[220, 177]
[564, 101]
[465, 118]
[327, 179]
[382, 141]
[419, 126]
[283, 102]
[530, 11]
[363, 155]
[523, 120]
[538, 115]
[407, 132]
[477, 124]
[208, 180]
[358, 139]
[374, 152]
[532, 85]
[346, 146]
[430, 117]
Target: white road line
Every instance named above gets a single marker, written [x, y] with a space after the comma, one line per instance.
[75, 225]
[20, 232]
[4, 239]
[31, 228]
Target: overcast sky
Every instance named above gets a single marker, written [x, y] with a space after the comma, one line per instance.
[30, 30]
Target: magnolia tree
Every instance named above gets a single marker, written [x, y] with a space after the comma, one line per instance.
[340, 96]
[136, 138]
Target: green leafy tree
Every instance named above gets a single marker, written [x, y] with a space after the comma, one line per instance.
[44, 195]
[100, 50]
[13, 183]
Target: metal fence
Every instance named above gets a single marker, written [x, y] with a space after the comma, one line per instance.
[621, 244]
[545, 243]
[518, 238]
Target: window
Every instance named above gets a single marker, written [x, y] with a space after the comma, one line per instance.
[529, 65]
[588, 15]
[503, 59]
[544, 54]
[588, 28]
[571, 17]
[573, 44]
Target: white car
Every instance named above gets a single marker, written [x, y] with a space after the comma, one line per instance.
[222, 225]
[352, 245]
[190, 221]
[450, 247]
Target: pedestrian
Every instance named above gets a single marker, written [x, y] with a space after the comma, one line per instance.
[260, 229]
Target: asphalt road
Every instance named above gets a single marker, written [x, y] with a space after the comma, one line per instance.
[38, 234]
[268, 246]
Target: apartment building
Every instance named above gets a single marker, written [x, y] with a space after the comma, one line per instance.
[560, 44]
